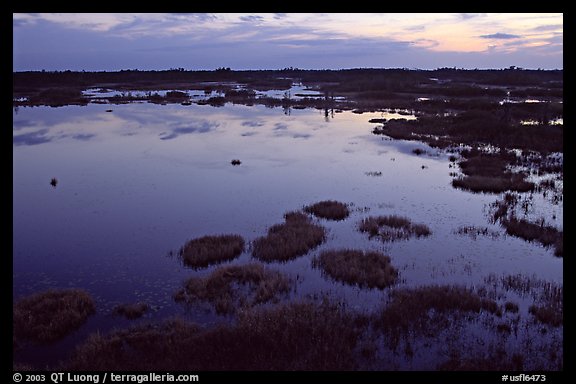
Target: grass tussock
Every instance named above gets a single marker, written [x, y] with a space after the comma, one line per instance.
[393, 227]
[209, 250]
[544, 234]
[547, 314]
[296, 237]
[493, 184]
[131, 311]
[410, 309]
[328, 209]
[49, 316]
[296, 336]
[365, 269]
[230, 287]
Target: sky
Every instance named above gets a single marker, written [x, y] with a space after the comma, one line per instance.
[202, 41]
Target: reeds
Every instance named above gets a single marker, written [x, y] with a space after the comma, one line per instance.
[409, 308]
[209, 250]
[296, 337]
[223, 288]
[355, 267]
[328, 209]
[48, 316]
[296, 237]
[544, 234]
[131, 311]
[392, 227]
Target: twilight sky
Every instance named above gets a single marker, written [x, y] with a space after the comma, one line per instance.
[115, 41]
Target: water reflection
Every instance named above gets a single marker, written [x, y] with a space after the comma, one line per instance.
[141, 181]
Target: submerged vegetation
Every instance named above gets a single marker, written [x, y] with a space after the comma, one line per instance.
[208, 250]
[365, 269]
[286, 241]
[228, 288]
[48, 316]
[392, 227]
[329, 209]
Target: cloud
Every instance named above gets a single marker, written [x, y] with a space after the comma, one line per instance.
[252, 123]
[468, 16]
[202, 127]
[83, 136]
[502, 36]
[252, 19]
[549, 27]
[32, 138]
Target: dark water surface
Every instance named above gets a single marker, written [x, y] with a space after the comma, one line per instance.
[138, 182]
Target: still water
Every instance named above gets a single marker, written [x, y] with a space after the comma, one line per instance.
[137, 182]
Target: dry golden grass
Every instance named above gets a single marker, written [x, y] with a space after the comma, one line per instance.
[365, 269]
[223, 288]
[49, 316]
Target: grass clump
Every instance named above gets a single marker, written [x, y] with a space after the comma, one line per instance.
[544, 234]
[410, 309]
[488, 173]
[296, 336]
[547, 314]
[51, 315]
[208, 250]
[286, 241]
[392, 227]
[328, 209]
[365, 269]
[131, 311]
[224, 287]
[493, 184]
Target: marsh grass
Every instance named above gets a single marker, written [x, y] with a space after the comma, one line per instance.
[488, 173]
[297, 336]
[474, 232]
[296, 237]
[547, 315]
[420, 308]
[228, 288]
[48, 316]
[392, 227]
[544, 234]
[494, 184]
[355, 267]
[328, 209]
[131, 311]
[208, 250]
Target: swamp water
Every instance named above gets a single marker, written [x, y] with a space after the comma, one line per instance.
[136, 183]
